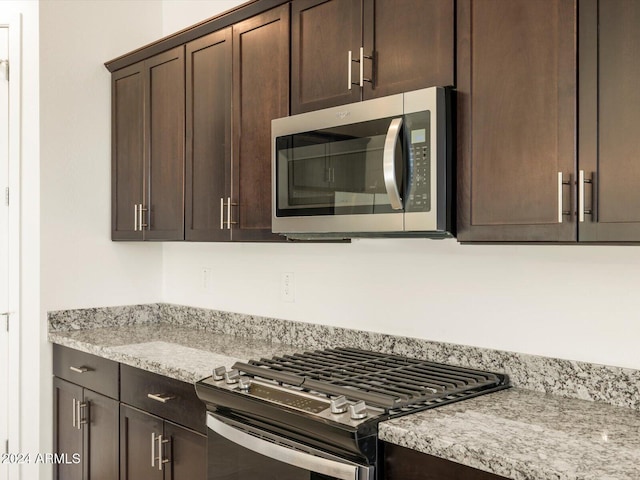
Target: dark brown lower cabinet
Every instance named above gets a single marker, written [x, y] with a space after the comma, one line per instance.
[402, 463]
[154, 449]
[85, 433]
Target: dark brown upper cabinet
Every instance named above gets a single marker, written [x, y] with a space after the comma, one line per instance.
[260, 93]
[148, 149]
[516, 122]
[127, 151]
[208, 165]
[344, 51]
[244, 69]
[609, 133]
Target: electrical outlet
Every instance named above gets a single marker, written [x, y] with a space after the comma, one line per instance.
[288, 287]
[206, 278]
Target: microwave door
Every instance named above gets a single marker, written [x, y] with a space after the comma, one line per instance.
[333, 180]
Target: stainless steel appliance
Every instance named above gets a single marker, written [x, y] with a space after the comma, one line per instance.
[376, 168]
[315, 415]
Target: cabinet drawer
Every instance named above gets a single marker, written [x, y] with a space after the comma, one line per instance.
[181, 405]
[95, 373]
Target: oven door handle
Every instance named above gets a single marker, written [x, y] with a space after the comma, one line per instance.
[338, 468]
[389, 163]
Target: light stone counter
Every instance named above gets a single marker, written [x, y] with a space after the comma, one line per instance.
[518, 433]
[173, 351]
[526, 435]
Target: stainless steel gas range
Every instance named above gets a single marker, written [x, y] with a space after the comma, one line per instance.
[315, 415]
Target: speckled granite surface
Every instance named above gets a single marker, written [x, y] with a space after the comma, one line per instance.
[614, 385]
[520, 434]
[525, 435]
[183, 353]
[81, 319]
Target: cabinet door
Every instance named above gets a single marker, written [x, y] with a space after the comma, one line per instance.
[138, 431]
[101, 439]
[322, 34]
[208, 182]
[402, 463]
[164, 158]
[412, 44]
[610, 119]
[127, 150]
[188, 453]
[67, 437]
[260, 94]
[516, 119]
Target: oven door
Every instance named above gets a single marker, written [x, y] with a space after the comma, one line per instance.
[241, 452]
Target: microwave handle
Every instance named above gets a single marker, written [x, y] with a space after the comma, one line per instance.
[343, 470]
[389, 163]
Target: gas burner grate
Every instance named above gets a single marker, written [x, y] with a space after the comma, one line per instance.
[383, 380]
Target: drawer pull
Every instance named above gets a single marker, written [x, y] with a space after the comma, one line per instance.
[80, 369]
[160, 397]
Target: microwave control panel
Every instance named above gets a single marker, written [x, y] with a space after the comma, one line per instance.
[418, 130]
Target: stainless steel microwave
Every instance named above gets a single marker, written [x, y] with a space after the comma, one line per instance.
[380, 167]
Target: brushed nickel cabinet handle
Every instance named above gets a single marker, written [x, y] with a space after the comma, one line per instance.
[559, 197]
[360, 60]
[142, 224]
[159, 457]
[160, 440]
[160, 397]
[81, 421]
[153, 449]
[79, 369]
[361, 67]
[561, 210]
[221, 213]
[350, 61]
[229, 205]
[161, 461]
[581, 196]
[76, 418]
[135, 217]
[581, 204]
[362, 57]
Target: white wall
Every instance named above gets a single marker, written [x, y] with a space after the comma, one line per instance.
[80, 266]
[179, 14]
[574, 302]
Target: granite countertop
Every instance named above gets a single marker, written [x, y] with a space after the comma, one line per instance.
[177, 352]
[526, 435]
[517, 433]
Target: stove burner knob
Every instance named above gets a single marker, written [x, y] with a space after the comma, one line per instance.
[339, 404]
[244, 384]
[358, 410]
[218, 373]
[232, 376]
